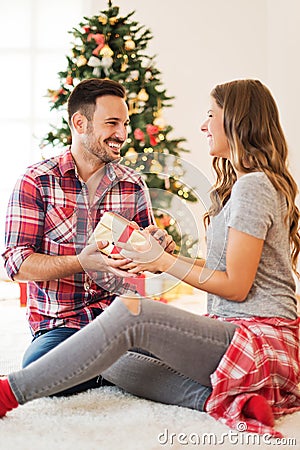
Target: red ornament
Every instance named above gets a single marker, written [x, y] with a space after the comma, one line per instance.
[87, 29]
[69, 80]
[139, 135]
[100, 41]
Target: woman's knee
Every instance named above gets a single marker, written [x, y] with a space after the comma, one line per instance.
[133, 304]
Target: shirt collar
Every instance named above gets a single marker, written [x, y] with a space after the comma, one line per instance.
[114, 170]
[66, 162]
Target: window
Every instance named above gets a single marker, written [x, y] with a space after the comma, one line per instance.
[34, 42]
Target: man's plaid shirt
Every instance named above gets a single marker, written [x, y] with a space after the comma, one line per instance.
[49, 213]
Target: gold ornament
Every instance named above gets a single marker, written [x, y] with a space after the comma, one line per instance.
[106, 51]
[124, 65]
[132, 155]
[159, 121]
[133, 106]
[142, 95]
[113, 20]
[156, 167]
[102, 19]
[81, 61]
[129, 44]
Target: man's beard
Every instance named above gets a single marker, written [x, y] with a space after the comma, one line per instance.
[93, 147]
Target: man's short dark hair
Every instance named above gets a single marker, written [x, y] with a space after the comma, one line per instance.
[84, 95]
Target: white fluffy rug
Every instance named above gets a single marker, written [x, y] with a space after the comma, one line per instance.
[109, 419]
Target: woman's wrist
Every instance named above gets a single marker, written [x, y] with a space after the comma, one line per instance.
[165, 262]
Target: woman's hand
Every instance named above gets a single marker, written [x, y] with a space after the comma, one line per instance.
[164, 239]
[145, 255]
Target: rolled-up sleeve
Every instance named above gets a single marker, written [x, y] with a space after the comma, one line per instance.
[24, 224]
[14, 257]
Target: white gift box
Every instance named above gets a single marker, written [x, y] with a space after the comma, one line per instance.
[115, 228]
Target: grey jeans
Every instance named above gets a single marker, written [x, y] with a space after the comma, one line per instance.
[187, 349]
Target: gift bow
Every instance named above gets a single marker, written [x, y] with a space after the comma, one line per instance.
[100, 41]
[98, 64]
[152, 131]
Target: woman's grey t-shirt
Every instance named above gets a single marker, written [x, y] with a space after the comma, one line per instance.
[255, 208]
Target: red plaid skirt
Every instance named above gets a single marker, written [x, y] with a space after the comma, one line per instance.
[262, 359]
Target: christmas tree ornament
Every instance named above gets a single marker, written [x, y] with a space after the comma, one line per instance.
[132, 155]
[156, 167]
[129, 45]
[159, 120]
[113, 20]
[124, 67]
[159, 88]
[86, 29]
[102, 19]
[106, 51]
[69, 80]
[81, 61]
[142, 95]
[152, 132]
[148, 75]
[133, 76]
[106, 64]
[133, 106]
[99, 40]
[139, 135]
[94, 62]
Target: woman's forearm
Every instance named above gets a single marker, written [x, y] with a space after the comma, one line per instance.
[197, 262]
[212, 281]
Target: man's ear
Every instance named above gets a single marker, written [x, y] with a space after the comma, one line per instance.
[79, 122]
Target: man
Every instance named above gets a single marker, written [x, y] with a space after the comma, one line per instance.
[52, 213]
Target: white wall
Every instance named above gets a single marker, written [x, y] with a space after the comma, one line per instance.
[283, 73]
[200, 43]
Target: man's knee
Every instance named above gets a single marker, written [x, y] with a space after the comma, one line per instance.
[44, 343]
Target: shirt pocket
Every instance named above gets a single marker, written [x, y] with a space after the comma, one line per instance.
[60, 224]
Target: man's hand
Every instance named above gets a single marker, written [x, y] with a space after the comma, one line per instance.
[92, 260]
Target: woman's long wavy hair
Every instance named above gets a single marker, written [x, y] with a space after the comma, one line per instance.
[257, 143]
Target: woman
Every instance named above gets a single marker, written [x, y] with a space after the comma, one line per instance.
[240, 362]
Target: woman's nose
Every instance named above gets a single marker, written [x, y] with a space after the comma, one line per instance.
[203, 127]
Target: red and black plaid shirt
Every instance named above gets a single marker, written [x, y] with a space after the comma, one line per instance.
[49, 213]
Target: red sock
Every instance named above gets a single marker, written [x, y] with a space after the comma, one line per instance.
[258, 408]
[7, 399]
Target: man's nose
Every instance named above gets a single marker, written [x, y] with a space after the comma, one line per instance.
[121, 132]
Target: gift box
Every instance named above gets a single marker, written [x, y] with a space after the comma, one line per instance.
[115, 228]
[166, 288]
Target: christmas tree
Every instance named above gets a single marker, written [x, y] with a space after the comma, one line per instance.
[110, 46]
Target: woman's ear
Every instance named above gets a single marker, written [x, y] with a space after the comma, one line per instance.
[79, 122]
